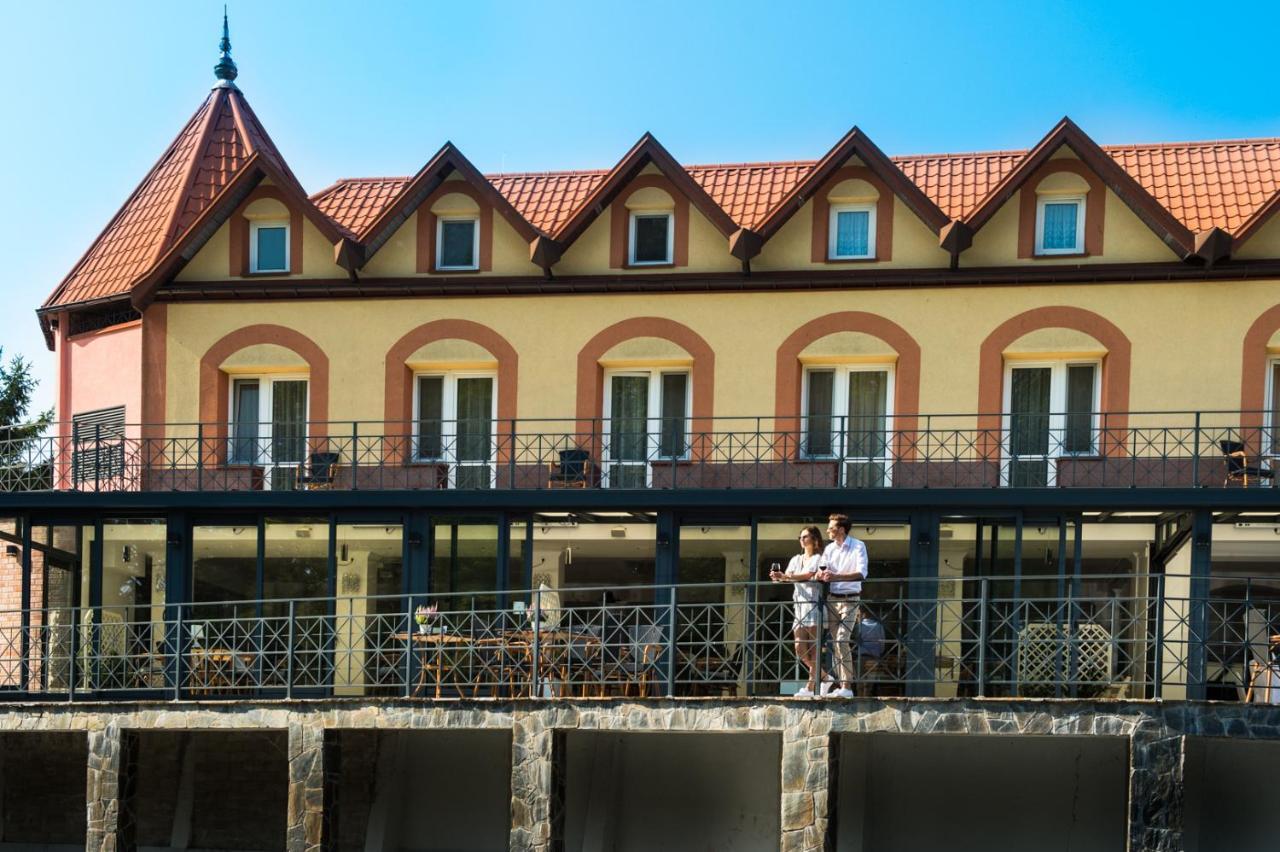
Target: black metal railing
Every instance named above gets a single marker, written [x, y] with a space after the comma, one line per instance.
[1104, 450]
[961, 637]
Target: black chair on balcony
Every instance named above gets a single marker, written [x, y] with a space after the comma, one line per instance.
[320, 471]
[573, 470]
[1238, 467]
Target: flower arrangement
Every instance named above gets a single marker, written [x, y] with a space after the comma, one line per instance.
[424, 615]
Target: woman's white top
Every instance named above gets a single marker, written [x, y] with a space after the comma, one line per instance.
[808, 591]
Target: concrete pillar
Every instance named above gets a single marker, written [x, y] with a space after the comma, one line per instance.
[807, 752]
[537, 783]
[305, 825]
[102, 797]
[1155, 792]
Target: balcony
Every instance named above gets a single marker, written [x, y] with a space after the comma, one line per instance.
[981, 638]
[1115, 450]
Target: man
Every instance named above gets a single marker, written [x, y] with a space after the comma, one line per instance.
[845, 559]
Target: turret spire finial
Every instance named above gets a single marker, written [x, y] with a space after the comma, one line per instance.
[225, 70]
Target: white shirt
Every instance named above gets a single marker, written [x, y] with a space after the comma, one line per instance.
[805, 591]
[849, 558]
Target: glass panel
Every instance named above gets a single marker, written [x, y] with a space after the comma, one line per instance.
[54, 596]
[853, 233]
[1060, 226]
[430, 417]
[464, 565]
[651, 239]
[457, 244]
[288, 421]
[1275, 409]
[1029, 425]
[271, 249]
[821, 407]
[369, 610]
[674, 404]
[868, 402]
[11, 615]
[222, 627]
[245, 419]
[712, 622]
[475, 419]
[1080, 396]
[629, 413]
[133, 598]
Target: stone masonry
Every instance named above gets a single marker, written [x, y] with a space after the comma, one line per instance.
[1155, 730]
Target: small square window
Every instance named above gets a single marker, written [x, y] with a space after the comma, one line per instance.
[650, 238]
[1060, 226]
[853, 228]
[269, 247]
[458, 241]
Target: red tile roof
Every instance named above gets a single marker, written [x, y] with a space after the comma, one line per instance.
[207, 154]
[1202, 184]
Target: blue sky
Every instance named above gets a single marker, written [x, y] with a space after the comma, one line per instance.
[93, 93]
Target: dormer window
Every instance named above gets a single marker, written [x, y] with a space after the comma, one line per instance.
[852, 232]
[651, 239]
[458, 243]
[1059, 225]
[268, 246]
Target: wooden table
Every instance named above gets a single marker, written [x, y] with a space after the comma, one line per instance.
[213, 668]
[432, 645]
[493, 652]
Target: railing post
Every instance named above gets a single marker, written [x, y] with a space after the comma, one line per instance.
[200, 456]
[982, 638]
[534, 664]
[355, 455]
[72, 674]
[819, 640]
[408, 647]
[1158, 680]
[179, 655]
[671, 641]
[1195, 455]
[97, 457]
[290, 646]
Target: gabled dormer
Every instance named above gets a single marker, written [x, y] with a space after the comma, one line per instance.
[442, 222]
[1068, 202]
[648, 215]
[855, 208]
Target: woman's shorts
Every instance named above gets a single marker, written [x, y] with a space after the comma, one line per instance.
[806, 616]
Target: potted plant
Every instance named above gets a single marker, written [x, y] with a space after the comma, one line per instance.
[424, 615]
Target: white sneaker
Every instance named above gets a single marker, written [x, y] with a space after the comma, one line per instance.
[841, 693]
[825, 689]
[804, 692]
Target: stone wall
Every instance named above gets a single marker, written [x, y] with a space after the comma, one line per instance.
[1155, 732]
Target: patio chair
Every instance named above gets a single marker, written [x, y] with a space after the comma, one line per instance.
[573, 470]
[1238, 467]
[319, 472]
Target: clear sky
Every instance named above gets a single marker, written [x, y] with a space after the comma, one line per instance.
[92, 93]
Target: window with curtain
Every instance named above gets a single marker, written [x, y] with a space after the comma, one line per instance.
[457, 241]
[454, 424]
[1273, 394]
[1060, 226]
[269, 247]
[847, 411]
[852, 232]
[648, 420]
[1052, 411]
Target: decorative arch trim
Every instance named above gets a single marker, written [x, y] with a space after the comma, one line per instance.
[590, 392]
[426, 234]
[1253, 368]
[398, 386]
[1116, 368]
[215, 384]
[239, 241]
[620, 222]
[789, 372]
[822, 216]
[1095, 207]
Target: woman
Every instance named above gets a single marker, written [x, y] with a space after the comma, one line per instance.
[802, 571]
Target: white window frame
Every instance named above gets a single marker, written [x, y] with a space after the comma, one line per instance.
[1057, 412]
[475, 243]
[631, 237]
[254, 226]
[1041, 201]
[833, 237]
[653, 426]
[449, 422]
[840, 413]
[266, 387]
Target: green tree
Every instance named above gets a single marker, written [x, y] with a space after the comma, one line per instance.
[24, 451]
